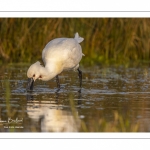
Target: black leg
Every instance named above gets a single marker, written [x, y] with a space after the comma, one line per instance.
[80, 77]
[57, 81]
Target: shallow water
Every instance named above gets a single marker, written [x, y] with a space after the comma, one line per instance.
[105, 90]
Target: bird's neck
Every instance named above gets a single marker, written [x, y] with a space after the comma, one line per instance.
[52, 69]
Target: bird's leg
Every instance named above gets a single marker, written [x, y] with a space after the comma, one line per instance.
[80, 78]
[58, 84]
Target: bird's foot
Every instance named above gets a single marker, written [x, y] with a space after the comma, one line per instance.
[79, 91]
[57, 90]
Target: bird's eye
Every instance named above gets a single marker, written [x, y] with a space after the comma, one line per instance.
[40, 76]
[34, 75]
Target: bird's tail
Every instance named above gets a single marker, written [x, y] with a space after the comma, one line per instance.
[78, 38]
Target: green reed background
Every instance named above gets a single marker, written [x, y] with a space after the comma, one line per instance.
[106, 40]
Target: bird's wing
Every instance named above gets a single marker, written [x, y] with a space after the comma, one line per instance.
[66, 50]
[49, 48]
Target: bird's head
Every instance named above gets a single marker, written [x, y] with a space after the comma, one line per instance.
[33, 73]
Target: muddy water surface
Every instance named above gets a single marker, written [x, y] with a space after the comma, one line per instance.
[105, 90]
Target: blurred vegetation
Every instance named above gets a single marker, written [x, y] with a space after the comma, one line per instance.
[106, 40]
[118, 124]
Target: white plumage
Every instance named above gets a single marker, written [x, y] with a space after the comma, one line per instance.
[58, 55]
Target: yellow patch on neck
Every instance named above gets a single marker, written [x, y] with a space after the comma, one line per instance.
[59, 67]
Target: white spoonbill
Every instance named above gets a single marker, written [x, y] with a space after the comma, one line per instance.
[58, 55]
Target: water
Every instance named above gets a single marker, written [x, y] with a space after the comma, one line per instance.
[106, 90]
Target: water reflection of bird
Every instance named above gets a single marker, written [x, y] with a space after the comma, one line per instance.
[53, 118]
[58, 55]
